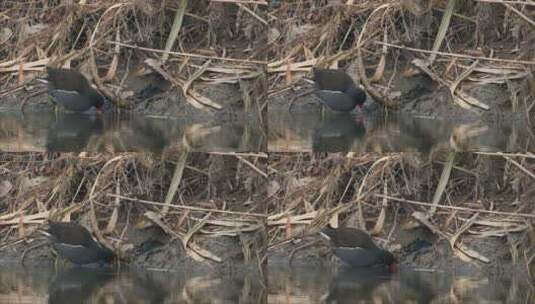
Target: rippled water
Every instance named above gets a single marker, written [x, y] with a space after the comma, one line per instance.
[332, 132]
[324, 285]
[87, 285]
[63, 132]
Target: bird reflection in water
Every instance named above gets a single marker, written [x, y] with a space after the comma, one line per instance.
[337, 133]
[77, 285]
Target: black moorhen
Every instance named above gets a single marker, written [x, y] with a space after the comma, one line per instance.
[337, 91]
[74, 243]
[356, 248]
[72, 90]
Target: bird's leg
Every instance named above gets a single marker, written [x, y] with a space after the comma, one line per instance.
[360, 109]
[360, 115]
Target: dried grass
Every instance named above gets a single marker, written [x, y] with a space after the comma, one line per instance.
[106, 39]
[112, 191]
[479, 196]
[379, 37]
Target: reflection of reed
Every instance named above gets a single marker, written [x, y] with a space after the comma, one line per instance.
[123, 132]
[77, 285]
[291, 132]
[130, 133]
[394, 133]
[206, 289]
[193, 136]
[298, 285]
[463, 137]
[14, 137]
[221, 138]
[23, 285]
[288, 141]
[312, 285]
[363, 285]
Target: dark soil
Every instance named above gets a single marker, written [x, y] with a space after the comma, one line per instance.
[209, 181]
[420, 96]
[411, 242]
[157, 99]
[435, 255]
[166, 257]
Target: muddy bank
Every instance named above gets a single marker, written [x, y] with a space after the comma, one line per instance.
[168, 257]
[311, 190]
[413, 250]
[212, 68]
[442, 59]
[213, 219]
[165, 102]
[419, 96]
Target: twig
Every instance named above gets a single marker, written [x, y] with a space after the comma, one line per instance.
[455, 54]
[519, 166]
[186, 54]
[92, 213]
[508, 1]
[25, 99]
[30, 249]
[294, 251]
[262, 155]
[383, 99]
[186, 207]
[527, 155]
[402, 200]
[259, 2]
[248, 163]
[519, 13]
[245, 8]
[196, 100]
[298, 96]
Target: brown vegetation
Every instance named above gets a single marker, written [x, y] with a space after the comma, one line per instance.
[183, 41]
[461, 198]
[191, 197]
[452, 42]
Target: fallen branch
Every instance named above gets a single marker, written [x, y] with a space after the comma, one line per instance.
[457, 55]
[465, 209]
[186, 207]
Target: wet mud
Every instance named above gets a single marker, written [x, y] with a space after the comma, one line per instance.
[419, 96]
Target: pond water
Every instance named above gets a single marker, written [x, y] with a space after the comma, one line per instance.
[323, 285]
[88, 285]
[63, 132]
[331, 132]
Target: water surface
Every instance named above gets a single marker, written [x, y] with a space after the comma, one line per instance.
[324, 285]
[332, 132]
[64, 132]
[89, 285]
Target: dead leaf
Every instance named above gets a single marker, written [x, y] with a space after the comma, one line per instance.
[5, 187]
[28, 183]
[5, 34]
[273, 35]
[273, 188]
